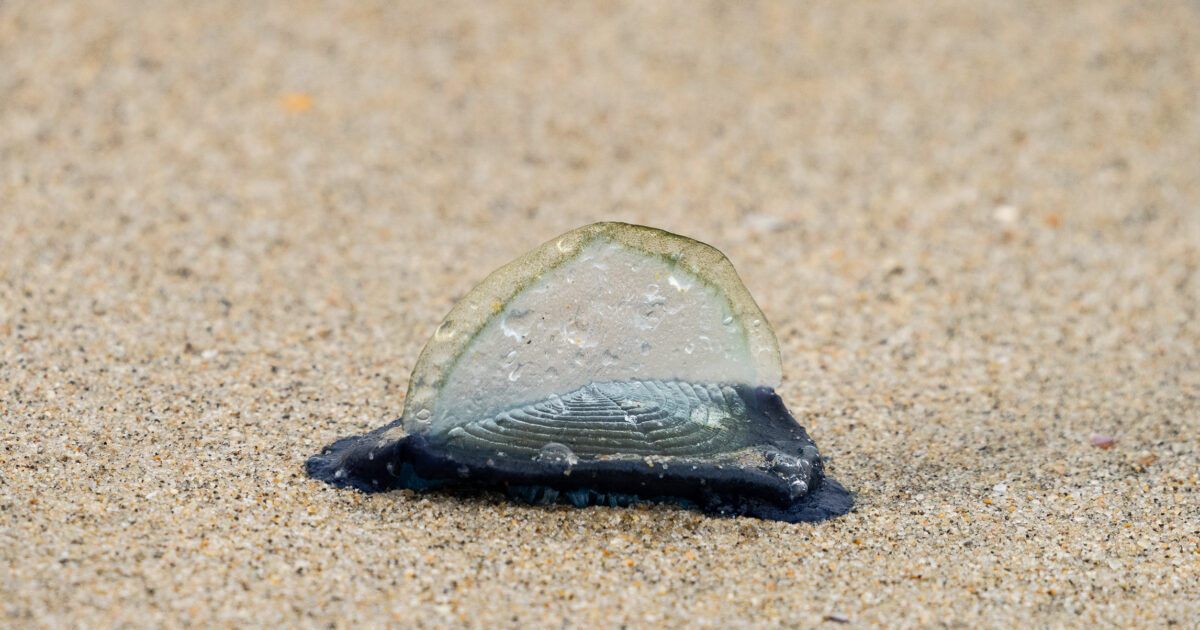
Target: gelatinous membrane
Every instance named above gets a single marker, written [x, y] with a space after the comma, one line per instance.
[614, 364]
[605, 302]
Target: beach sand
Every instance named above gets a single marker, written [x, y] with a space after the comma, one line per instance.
[226, 231]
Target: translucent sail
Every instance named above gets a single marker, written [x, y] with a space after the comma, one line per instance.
[608, 302]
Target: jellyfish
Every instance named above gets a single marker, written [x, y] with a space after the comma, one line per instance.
[615, 364]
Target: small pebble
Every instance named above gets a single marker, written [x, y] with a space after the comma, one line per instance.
[1005, 214]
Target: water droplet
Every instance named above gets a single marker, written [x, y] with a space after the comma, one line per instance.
[805, 467]
[797, 488]
[650, 318]
[555, 453]
[515, 374]
[517, 324]
[681, 284]
[423, 415]
[444, 331]
[509, 358]
[786, 464]
[689, 348]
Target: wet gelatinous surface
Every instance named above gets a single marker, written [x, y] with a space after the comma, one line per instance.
[610, 313]
[608, 301]
[614, 364]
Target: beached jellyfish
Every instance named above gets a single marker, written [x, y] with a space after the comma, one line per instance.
[614, 364]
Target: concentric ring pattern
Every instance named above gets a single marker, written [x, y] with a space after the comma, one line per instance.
[637, 417]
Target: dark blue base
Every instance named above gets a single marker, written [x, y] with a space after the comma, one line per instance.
[413, 462]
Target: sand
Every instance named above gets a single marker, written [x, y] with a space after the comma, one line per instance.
[226, 230]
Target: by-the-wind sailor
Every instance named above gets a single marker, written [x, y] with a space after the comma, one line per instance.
[614, 364]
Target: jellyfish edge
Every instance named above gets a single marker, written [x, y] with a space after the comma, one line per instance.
[368, 464]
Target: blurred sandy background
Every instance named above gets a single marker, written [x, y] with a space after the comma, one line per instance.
[226, 230]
